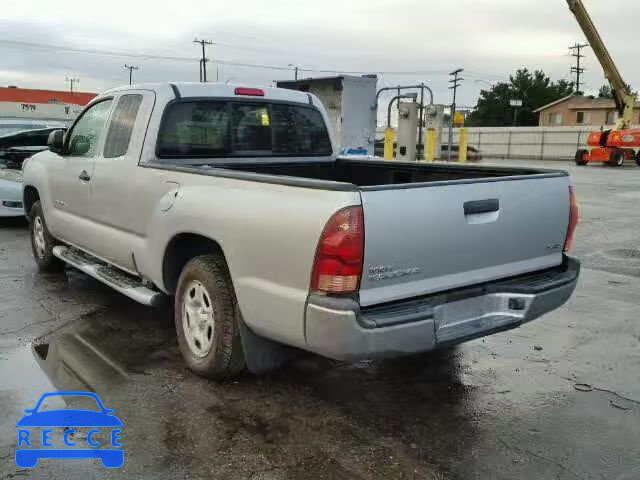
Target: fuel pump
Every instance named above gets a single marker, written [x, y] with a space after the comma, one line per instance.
[433, 125]
[407, 131]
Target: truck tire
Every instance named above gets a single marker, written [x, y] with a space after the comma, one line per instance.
[205, 316]
[616, 159]
[42, 242]
[580, 157]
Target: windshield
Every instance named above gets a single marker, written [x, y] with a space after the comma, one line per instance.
[206, 129]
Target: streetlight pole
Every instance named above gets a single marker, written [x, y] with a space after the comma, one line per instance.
[456, 80]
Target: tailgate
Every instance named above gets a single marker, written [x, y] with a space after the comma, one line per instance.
[425, 239]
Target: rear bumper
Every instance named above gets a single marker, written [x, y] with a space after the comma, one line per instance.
[339, 329]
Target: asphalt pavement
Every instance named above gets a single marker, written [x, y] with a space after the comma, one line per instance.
[556, 399]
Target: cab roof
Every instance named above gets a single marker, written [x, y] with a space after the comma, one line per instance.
[210, 89]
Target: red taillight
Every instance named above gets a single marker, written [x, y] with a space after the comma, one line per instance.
[573, 220]
[249, 92]
[338, 264]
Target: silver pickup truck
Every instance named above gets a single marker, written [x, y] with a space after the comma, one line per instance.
[232, 200]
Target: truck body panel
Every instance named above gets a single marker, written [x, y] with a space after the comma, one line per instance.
[429, 229]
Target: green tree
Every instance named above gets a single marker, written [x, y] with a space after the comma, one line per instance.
[606, 92]
[535, 89]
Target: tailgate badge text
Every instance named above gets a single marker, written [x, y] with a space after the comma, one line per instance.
[382, 272]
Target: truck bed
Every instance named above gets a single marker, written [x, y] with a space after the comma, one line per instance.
[433, 227]
[374, 173]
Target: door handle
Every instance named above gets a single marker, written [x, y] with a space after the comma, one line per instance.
[481, 206]
[84, 176]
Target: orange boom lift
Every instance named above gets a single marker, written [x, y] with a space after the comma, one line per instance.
[619, 144]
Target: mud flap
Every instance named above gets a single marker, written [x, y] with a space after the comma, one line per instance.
[261, 354]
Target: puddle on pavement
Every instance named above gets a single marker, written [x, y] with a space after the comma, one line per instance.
[102, 349]
[99, 352]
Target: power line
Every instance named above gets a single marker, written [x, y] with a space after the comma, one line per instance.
[156, 56]
[173, 58]
[578, 70]
[103, 53]
[131, 69]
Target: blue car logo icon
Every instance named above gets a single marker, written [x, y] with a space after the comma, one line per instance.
[27, 453]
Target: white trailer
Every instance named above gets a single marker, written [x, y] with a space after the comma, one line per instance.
[349, 102]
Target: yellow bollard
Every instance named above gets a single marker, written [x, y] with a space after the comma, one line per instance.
[430, 147]
[389, 139]
[463, 142]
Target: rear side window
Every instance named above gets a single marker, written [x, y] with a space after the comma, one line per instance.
[210, 129]
[121, 127]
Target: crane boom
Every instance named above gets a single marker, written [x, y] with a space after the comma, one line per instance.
[625, 102]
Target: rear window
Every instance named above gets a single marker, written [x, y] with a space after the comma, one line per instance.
[210, 129]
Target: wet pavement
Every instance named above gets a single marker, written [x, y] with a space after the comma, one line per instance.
[558, 398]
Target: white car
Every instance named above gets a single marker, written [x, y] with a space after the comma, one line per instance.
[11, 193]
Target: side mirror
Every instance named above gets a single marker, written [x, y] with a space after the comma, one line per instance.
[80, 145]
[55, 142]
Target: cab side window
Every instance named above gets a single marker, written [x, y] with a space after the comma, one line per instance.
[121, 126]
[83, 139]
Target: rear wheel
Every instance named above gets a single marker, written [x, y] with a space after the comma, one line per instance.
[42, 242]
[616, 159]
[580, 154]
[206, 323]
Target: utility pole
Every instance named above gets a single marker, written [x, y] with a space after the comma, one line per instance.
[72, 81]
[203, 61]
[295, 69]
[455, 81]
[578, 70]
[131, 69]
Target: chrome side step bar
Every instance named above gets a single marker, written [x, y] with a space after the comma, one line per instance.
[117, 279]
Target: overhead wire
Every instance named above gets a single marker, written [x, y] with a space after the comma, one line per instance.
[158, 56]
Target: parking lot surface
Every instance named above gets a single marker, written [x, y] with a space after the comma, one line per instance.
[556, 399]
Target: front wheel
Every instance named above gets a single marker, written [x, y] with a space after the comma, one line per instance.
[580, 154]
[206, 319]
[42, 242]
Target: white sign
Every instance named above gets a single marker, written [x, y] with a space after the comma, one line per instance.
[516, 103]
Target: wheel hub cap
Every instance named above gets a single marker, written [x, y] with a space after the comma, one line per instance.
[38, 236]
[197, 318]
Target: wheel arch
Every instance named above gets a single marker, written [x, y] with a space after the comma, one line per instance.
[30, 195]
[179, 250]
